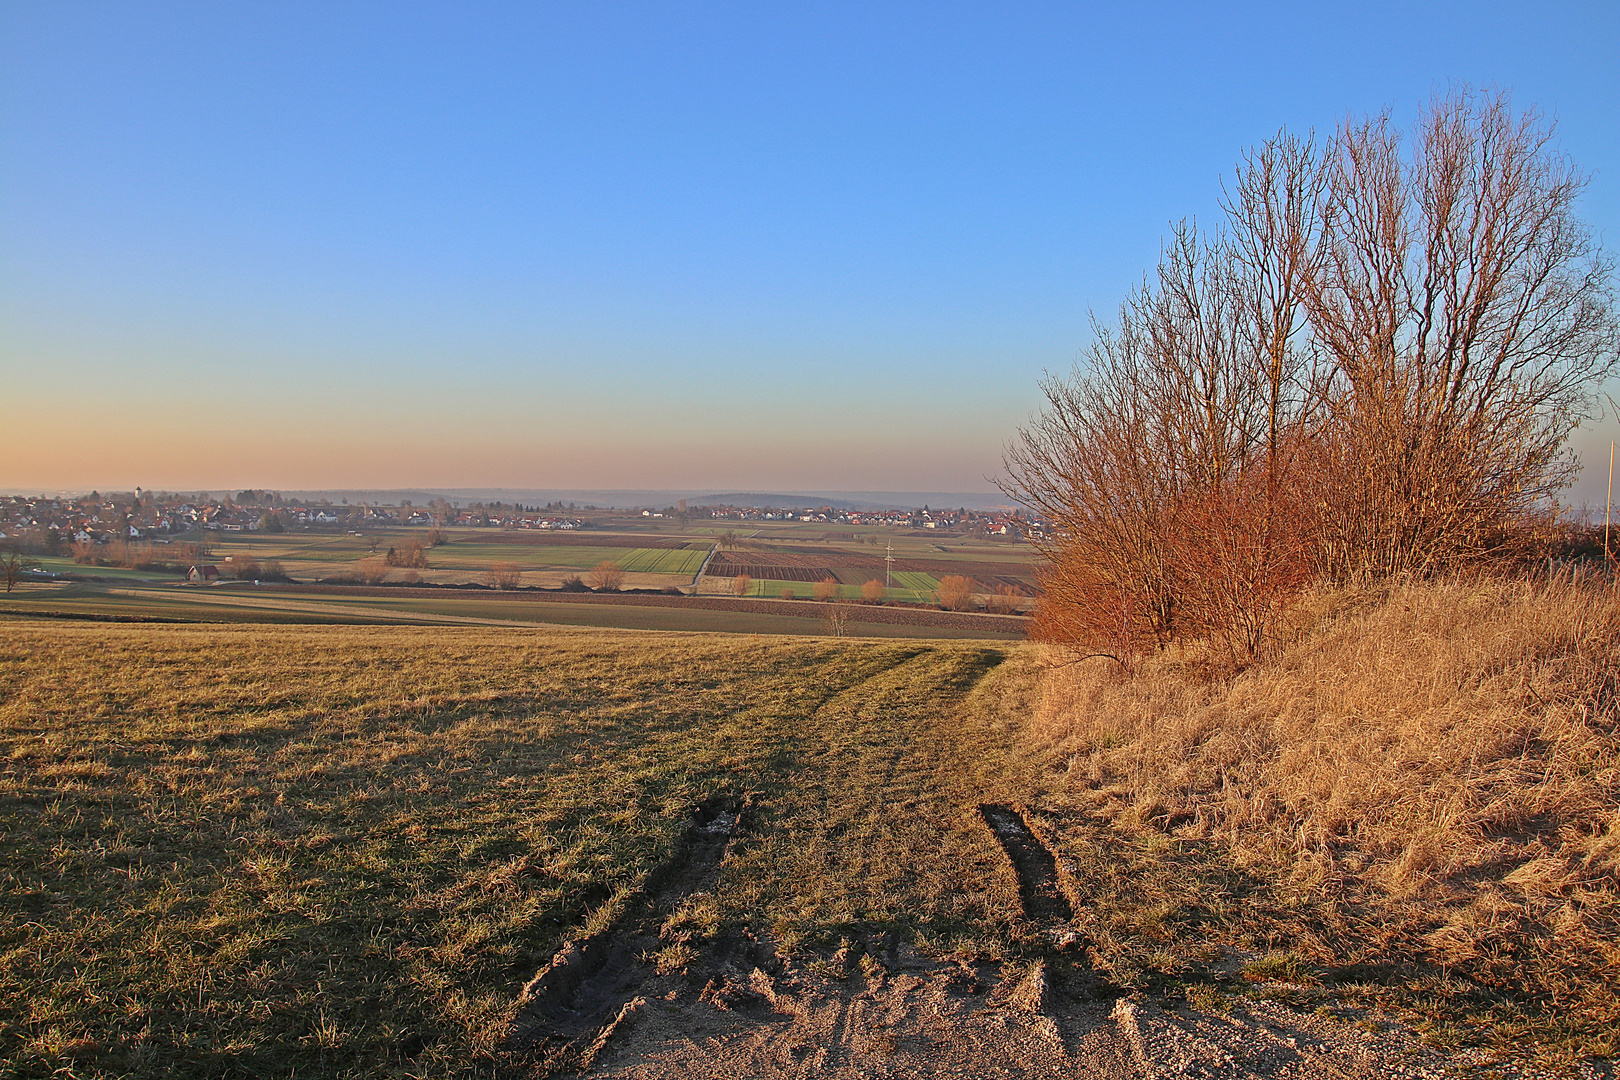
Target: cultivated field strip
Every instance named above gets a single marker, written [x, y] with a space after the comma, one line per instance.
[552, 538]
[771, 563]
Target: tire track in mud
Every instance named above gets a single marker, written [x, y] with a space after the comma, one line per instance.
[569, 1011]
[1038, 889]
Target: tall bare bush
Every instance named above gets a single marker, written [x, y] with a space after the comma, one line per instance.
[606, 576]
[503, 575]
[1466, 314]
[1372, 369]
[955, 592]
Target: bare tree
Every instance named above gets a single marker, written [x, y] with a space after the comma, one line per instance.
[1371, 369]
[741, 584]
[503, 575]
[1467, 314]
[873, 591]
[12, 565]
[606, 576]
[1005, 600]
[825, 589]
[955, 592]
[838, 618]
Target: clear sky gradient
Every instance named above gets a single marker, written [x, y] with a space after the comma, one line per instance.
[746, 247]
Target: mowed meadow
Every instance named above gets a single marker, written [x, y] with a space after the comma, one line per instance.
[343, 850]
[340, 851]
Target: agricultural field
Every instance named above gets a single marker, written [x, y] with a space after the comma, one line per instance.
[787, 559]
[258, 604]
[791, 559]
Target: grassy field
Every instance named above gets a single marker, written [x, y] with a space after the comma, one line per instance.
[341, 850]
[542, 560]
[657, 555]
[654, 561]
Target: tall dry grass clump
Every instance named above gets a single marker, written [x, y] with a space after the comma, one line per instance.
[1440, 761]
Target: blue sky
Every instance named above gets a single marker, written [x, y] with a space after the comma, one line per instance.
[639, 245]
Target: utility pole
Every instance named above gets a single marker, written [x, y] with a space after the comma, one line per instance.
[888, 560]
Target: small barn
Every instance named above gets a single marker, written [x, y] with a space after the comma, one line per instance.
[203, 575]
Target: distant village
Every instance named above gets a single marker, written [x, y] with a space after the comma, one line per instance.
[51, 524]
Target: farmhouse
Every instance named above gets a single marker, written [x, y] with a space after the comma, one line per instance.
[203, 575]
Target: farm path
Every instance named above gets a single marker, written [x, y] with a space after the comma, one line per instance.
[875, 802]
[706, 560]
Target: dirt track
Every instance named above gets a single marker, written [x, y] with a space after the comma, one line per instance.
[740, 1008]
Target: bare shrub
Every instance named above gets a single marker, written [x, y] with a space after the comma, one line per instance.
[955, 592]
[411, 555]
[1466, 313]
[503, 575]
[606, 576]
[787, 594]
[741, 584]
[272, 570]
[1005, 600]
[243, 568]
[373, 570]
[1241, 559]
[187, 552]
[826, 589]
[873, 591]
[1371, 370]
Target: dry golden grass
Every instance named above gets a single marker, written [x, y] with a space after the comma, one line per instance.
[1424, 786]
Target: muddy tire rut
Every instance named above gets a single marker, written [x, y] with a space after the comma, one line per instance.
[571, 1008]
[1038, 886]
